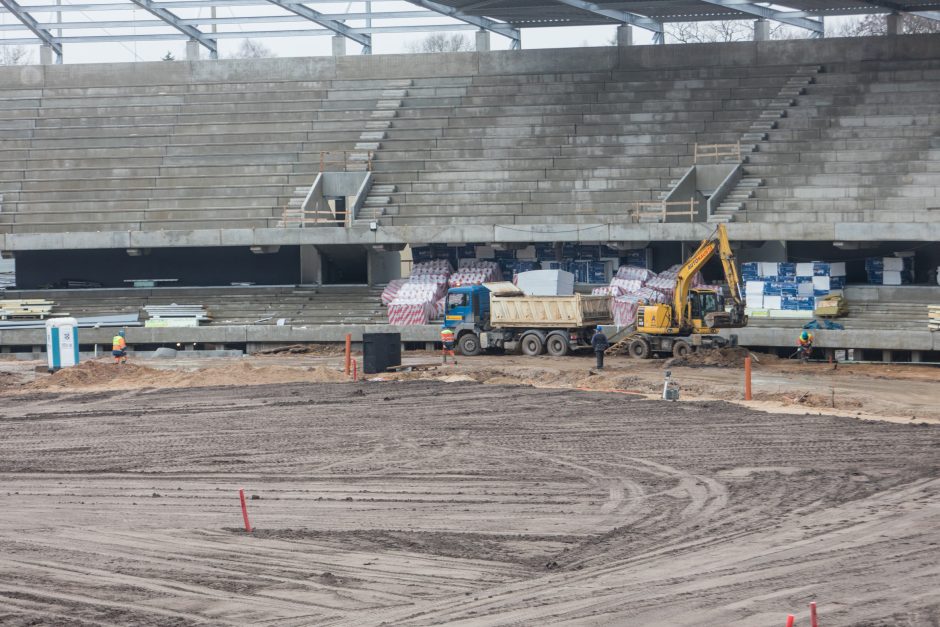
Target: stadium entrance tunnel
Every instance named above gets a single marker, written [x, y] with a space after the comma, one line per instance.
[344, 265]
[171, 267]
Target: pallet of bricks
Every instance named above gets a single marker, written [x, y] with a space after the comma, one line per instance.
[933, 317]
[30, 309]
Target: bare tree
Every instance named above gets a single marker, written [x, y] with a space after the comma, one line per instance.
[725, 31]
[250, 49]
[15, 55]
[441, 42]
[872, 25]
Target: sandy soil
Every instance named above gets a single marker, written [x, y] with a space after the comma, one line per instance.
[425, 502]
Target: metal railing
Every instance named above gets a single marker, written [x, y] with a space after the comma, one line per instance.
[717, 151]
[663, 209]
[341, 161]
[301, 217]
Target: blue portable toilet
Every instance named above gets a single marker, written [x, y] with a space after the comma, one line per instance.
[61, 343]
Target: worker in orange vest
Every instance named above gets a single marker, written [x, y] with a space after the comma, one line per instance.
[119, 348]
[447, 345]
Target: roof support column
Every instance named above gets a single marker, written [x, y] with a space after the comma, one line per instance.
[45, 54]
[624, 35]
[895, 21]
[482, 41]
[339, 46]
[761, 30]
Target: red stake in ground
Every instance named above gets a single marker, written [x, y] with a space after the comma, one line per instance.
[241, 494]
[812, 614]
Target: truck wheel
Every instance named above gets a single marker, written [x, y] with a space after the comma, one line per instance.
[557, 346]
[639, 349]
[532, 345]
[681, 349]
[469, 344]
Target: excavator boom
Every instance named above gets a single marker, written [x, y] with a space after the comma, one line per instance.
[695, 263]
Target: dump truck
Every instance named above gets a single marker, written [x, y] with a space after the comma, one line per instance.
[499, 316]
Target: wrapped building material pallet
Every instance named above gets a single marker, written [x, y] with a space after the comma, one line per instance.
[933, 317]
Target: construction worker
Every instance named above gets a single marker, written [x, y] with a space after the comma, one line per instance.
[447, 344]
[600, 344]
[805, 345]
[119, 348]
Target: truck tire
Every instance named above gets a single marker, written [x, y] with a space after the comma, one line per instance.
[681, 348]
[531, 345]
[639, 349]
[557, 345]
[469, 344]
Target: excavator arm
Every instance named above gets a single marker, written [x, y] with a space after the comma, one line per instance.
[695, 263]
[684, 280]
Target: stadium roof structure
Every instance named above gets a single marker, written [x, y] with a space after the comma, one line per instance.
[187, 19]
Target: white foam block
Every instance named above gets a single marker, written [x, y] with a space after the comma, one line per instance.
[754, 287]
[773, 302]
[804, 269]
[821, 283]
[892, 277]
[893, 264]
[837, 268]
[755, 301]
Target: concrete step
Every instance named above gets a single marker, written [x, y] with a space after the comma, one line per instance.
[373, 135]
[773, 114]
[764, 125]
[378, 124]
[367, 146]
[754, 137]
[384, 113]
[382, 189]
[792, 92]
[394, 93]
[375, 201]
[782, 103]
[388, 104]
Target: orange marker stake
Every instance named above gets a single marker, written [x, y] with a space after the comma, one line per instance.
[790, 619]
[241, 494]
[812, 614]
[355, 366]
[348, 351]
[747, 378]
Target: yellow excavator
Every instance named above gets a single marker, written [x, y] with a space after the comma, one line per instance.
[695, 315]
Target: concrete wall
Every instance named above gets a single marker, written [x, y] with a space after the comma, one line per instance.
[473, 63]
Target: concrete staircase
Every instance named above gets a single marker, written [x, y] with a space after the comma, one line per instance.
[759, 132]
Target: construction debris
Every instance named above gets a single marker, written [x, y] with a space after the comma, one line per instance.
[174, 315]
[933, 317]
[34, 309]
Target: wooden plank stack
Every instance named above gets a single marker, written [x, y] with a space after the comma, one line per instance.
[29, 309]
[176, 315]
[933, 317]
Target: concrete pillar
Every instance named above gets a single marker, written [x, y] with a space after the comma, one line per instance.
[45, 54]
[624, 35]
[192, 50]
[917, 357]
[894, 24]
[887, 355]
[761, 30]
[483, 40]
[339, 46]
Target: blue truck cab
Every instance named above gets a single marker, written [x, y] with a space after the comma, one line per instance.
[467, 305]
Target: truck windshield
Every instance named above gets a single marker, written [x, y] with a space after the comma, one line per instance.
[456, 300]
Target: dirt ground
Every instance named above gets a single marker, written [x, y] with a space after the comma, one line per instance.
[493, 492]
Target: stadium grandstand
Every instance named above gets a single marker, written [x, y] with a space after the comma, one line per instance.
[284, 195]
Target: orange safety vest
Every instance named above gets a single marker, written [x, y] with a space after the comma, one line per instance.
[447, 336]
[118, 343]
